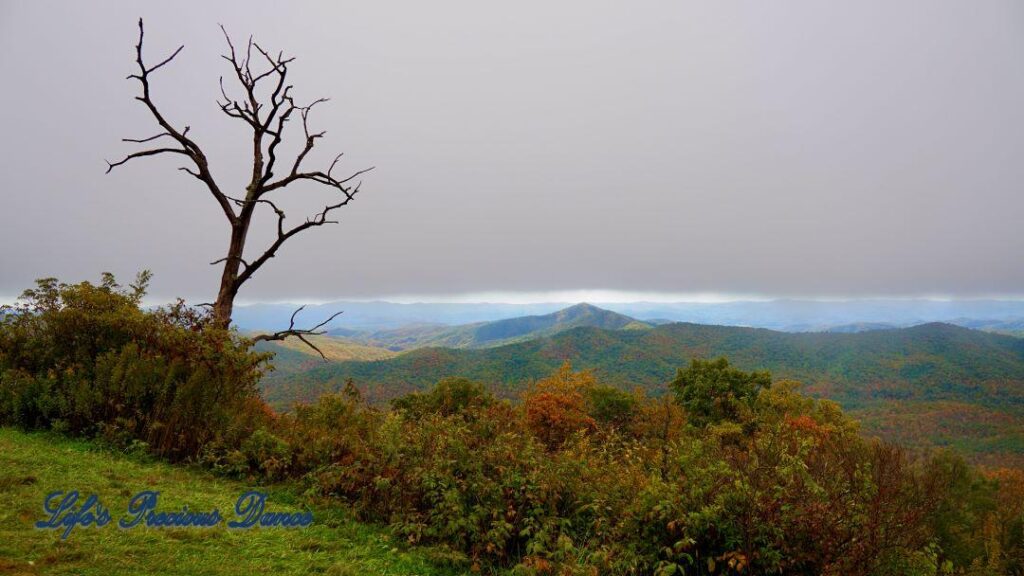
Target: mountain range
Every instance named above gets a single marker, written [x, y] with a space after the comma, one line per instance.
[785, 315]
[931, 384]
[932, 361]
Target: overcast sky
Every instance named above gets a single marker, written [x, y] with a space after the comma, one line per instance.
[770, 148]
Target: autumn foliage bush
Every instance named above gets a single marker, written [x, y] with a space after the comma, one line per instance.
[558, 406]
[86, 359]
[787, 485]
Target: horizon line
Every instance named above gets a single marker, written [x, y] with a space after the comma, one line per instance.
[603, 296]
[633, 297]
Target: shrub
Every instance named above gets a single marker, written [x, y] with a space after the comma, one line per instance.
[611, 406]
[267, 454]
[450, 396]
[542, 488]
[711, 391]
[88, 360]
[557, 407]
[338, 429]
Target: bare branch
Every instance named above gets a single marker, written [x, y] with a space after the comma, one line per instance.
[299, 333]
[188, 146]
[226, 258]
[319, 219]
[278, 134]
[144, 140]
[278, 211]
[310, 138]
[311, 345]
[166, 60]
[154, 152]
[326, 179]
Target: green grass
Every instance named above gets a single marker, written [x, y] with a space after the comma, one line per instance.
[35, 464]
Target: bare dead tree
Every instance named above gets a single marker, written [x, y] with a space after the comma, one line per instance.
[266, 106]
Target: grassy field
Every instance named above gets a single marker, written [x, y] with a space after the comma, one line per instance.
[33, 465]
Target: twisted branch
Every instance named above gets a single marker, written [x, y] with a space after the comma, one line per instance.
[299, 333]
[187, 146]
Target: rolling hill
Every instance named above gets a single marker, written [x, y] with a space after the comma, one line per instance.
[979, 376]
[937, 361]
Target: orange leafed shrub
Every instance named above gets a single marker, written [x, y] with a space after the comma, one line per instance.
[556, 407]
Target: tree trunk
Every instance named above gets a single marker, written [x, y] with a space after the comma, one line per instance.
[224, 306]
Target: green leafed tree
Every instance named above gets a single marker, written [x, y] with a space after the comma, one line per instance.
[712, 391]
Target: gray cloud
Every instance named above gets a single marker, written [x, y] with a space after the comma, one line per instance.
[787, 148]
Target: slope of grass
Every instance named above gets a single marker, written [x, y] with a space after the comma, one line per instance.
[33, 465]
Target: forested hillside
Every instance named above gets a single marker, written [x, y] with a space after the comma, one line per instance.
[930, 384]
[932, 361]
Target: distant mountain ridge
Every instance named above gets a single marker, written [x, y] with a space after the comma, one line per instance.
[786, 315]
[497, 332]
[932, 360]
[571, 317]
